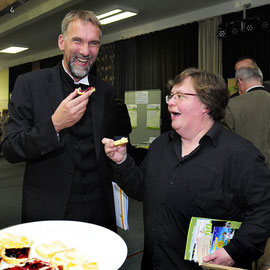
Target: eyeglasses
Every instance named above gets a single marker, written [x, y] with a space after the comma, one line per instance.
[178, 96]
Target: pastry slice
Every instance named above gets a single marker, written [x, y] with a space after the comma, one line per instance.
[33, 264]
[15, 249]
[48, 250]
[72, 259]
[81, 92]
[122, 141]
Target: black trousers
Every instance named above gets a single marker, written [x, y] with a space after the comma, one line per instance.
[96, 212]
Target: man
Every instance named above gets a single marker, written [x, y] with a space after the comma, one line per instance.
[199, 169]
[247, 61]
[248, 114]
[58, 132]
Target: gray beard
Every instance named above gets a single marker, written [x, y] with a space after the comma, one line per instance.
[77, 72]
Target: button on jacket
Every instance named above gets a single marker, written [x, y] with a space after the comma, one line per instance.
[225, 177]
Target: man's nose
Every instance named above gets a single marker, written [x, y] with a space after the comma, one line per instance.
[85, 50]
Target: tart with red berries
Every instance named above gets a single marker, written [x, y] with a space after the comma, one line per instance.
[81, 92]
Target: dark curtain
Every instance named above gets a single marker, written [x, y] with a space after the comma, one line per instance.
[125, 67]
[161, 56]
[15, 71]
[105, 63]
[255, 44]
[51, 61]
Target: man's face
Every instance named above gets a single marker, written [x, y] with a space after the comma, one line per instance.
[80, 46]
[187, 112]
[243, 63]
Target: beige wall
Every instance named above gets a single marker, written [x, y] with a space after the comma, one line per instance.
[4, 92]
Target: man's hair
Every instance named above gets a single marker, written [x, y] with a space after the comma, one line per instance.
[84, 15]
[249, 73]
[254, 62]
[211, 90]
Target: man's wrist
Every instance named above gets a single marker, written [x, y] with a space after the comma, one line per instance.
[56, 126]
[123, 159]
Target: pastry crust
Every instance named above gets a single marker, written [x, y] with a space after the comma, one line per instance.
[8, 240]
[22, 255]
[122, 141]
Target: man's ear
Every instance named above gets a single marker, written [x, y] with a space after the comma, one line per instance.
[61, 42]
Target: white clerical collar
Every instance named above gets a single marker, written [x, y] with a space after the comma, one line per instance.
[84, 80]
[254, 87]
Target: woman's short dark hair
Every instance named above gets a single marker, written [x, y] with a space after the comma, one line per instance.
[211, 89]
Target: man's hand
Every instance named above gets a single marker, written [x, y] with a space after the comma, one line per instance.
[115, 153]
[220, 257]
[70, 110]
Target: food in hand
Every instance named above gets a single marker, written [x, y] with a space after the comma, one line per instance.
[122, 141]
[48, 250]
[72, 259]
[81, 92]
[33, 264]
[15, 249]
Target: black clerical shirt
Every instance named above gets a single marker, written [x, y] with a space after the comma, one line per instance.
[85, 184]
[225, 177]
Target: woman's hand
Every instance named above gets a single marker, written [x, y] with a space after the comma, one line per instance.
[115, 153]
[219, 257]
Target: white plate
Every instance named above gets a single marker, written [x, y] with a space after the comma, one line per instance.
[98, 243]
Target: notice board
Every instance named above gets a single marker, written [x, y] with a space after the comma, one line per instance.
[144, 110]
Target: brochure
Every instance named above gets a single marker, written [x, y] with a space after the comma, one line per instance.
[220, 233]
[121, 207]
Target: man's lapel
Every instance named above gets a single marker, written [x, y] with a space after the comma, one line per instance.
[55, 93]
[97, 105]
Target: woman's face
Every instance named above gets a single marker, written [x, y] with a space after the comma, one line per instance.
[185, 108]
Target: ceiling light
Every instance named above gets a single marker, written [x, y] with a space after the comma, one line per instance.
[222, 31]
[235, 28]
[250, 25]
[109, 13]
[265, 23]
[116, 15]
[14, 49]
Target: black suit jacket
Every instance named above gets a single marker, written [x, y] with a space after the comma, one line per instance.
[32, 138]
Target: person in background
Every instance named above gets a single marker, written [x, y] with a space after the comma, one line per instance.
[245, 61]
[58, 132]
[248, 61]
[200, 169]
[248, 115]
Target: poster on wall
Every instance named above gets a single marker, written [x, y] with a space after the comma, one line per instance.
[144, 110]
[141, 97]
[132, 111]
[153, 116]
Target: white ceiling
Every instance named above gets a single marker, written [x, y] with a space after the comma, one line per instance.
[36, 23]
